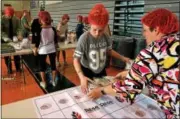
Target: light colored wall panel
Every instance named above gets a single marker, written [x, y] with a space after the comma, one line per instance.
[173, 5]
[18, 5]
[74, 8]
[155, 2]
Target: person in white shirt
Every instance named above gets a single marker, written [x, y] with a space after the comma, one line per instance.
[46, 45]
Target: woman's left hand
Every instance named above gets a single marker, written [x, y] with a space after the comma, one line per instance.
[95, 93]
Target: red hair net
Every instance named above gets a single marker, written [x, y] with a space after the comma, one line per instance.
[98, 15]
[65, 16]
[45, 17]
[9, 11]
[162, 18]
[85, 20]
[39, 14]
[80, 18]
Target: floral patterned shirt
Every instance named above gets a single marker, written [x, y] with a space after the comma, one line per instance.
[157, 67]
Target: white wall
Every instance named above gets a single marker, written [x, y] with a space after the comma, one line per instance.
[52, 2]
[173, 5]
[18, 5]
[74, 8]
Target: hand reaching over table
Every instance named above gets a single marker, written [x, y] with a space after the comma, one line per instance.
[122, 75]
[95, 93]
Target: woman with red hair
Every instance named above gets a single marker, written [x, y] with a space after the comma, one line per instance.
[79, 27]
[93, 47]
[35, 29]
[156, 66]
[46, 46]
[11, 31]
[62, 30]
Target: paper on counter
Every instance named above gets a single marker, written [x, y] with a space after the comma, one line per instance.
[75, 108]
[78, 96]
[123, 113]
[15, 39]
[152, 107]
[120, 104]
[140, 112]
[62, 104]
[45, 105]
[53, 115]
[92, 109]
[107, 104]
[16, 45]
[107, 117]
[63, 100]
[140, 97]
[110, 78]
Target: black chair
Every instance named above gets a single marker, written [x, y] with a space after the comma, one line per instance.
[124, 46]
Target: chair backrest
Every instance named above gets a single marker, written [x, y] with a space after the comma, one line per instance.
[124, 46]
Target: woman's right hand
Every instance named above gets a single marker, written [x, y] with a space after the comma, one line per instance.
[84, 84]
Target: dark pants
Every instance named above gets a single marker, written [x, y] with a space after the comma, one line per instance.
[36, 63]
[88, 73]
[9, 64]
[78, 34]
[25, 33]
[42, 61]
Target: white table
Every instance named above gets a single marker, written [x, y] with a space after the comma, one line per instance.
[62, 46]
[27, 109]
[20, 109]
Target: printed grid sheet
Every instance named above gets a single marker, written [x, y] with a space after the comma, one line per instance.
[64, 104]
